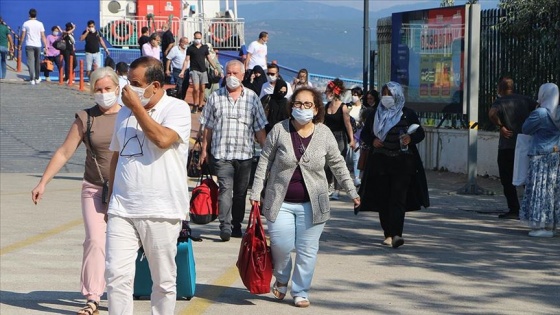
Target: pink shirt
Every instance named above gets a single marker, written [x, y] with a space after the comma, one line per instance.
[51, 51]
[149, 50]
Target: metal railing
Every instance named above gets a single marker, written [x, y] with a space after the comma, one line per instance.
[125, 32]
[221, 33]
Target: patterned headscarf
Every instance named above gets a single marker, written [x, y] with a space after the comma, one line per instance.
[385, 119]
[548, 98]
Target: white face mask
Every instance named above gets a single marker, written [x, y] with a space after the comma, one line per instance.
[56, 33]
[232, 82]
[302, 115]
[387, 101]
[140, 91]
[355, 98]
[198, 41]
[106, 100]
[272, 78]
[92, 29]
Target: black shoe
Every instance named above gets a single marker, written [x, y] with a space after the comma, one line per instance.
[397, 241]
[225, 236]
[194, 109]
[236, 232]
[509, 215]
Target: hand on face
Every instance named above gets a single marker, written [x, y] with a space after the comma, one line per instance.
[130, 98]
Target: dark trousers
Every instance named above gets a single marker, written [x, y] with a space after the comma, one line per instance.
[342, 141]
[233, 180]
[393, 206]
[505, 168]
[57, 61]
[185, 84]
[66, 55]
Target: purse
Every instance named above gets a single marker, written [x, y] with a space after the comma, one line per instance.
[204, 200]
[362, 161]
[47, 65]
[193, 160]
[255, 258]
[521, 160]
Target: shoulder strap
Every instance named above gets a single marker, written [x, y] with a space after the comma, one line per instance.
[90, 146]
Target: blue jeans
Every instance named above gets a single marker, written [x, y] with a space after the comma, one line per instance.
[3, 55]
[233, 180]
[178, 81]
[294, 229]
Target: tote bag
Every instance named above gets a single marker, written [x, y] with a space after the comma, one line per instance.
[255, 259]
[521, 160]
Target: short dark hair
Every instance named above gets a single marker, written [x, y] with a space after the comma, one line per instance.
[122, 67]
[357, 90]
[273, 66]
[262, 34]
[154, 69]
[317, 100]
[68, 26]
[90, 22]
[32, 13]
[197, 32]
[505, 84]
[54, 28]
[145, 29]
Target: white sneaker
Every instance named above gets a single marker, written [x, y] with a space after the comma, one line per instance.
[32, 82]
[48, 79]
[357, 182]
[38, 80]
[541, 233]
[335, 195]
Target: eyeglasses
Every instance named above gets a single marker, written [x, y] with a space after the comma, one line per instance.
[270, 73]
[133, 148]
[306, 105]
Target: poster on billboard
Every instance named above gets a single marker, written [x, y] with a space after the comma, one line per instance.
[427, 56]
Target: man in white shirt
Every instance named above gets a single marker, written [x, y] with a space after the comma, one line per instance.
[33, 32]
[272, 75]
[148, 178]
[175, 59]
[256, 52]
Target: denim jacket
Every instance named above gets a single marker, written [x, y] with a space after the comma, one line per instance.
[546, 136]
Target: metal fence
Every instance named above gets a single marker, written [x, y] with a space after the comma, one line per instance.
[125, 32]
[527, 60]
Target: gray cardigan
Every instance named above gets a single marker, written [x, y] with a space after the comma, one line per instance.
[278, 160]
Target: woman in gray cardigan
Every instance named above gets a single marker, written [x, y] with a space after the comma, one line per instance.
[296, 199]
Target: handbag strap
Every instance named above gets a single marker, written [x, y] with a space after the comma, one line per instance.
[90, 146]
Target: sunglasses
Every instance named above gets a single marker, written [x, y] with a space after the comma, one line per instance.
[270, 73]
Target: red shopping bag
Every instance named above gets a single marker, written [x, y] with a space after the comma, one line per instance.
[255, 259]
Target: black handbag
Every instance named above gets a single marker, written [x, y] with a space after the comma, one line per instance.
[193, 161]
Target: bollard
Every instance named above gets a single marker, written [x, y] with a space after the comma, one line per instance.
[18, 69]
[81, 75]
[71, 71]
[60, 71]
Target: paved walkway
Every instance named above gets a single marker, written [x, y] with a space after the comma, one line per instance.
[458, 257]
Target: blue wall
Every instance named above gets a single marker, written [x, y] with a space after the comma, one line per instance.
[52, 12]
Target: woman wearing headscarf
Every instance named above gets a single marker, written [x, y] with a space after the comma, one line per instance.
[255, 80]
[540, 208]
[394, 180]
[276, 109]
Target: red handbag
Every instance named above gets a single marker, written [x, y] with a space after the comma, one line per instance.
[255, 259]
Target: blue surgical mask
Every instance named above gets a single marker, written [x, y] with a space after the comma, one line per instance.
[302, 115]
[387, 101]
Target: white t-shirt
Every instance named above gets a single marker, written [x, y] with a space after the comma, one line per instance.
[33, 29]
[258, 53]
[153, 185]
[268, 88]
[355, 112]
[177, 56]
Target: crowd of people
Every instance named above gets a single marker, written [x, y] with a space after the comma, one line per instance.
[311, 150]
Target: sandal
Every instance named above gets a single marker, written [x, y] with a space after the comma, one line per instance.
[301, 301]
[279, 290]
[91, 308]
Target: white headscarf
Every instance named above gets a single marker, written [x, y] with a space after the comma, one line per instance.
[385, 119]
[548, 98]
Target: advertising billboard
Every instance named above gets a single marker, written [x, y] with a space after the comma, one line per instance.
[427, 56]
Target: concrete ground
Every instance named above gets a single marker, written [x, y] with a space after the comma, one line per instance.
[458, 257]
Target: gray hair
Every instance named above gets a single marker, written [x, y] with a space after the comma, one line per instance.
[101, 73]
[236, 62]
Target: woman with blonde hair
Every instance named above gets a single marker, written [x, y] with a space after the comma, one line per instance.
[93, 127]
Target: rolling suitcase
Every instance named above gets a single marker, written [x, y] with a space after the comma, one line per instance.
[186, 273]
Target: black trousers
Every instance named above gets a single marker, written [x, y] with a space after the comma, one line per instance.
[67, 54]
[57, 61]
[393, 206]
[185, 85]
[505, 168]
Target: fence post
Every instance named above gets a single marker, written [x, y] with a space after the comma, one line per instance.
[60, 70]
[71, 71]
[81, 75]
[18, 68]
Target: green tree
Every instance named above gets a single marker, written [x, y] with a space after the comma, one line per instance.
[536, 23]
